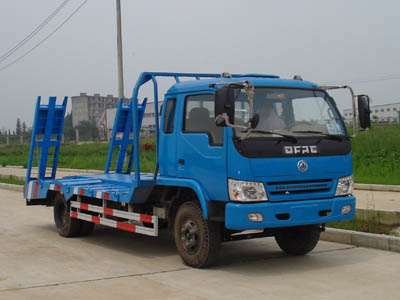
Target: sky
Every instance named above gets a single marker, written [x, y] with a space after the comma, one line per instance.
[328, 42]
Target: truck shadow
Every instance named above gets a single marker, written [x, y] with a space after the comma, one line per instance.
[254, 257]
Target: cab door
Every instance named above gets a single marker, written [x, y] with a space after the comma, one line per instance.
[201, 147]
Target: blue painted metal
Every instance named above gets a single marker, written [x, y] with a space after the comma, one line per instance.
[205, 163]
[301, 213]
[46, 135]
[144, 78]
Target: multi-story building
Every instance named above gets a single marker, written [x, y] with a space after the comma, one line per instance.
[388, 113]
[90, 108]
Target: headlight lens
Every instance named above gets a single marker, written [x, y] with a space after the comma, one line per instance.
[345, 186]
[246, 191]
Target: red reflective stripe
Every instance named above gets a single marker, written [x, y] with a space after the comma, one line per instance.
[146, 218]
[81, 192]
[106, 196]
[58, 187]
[108, 211]
[74, 214]
[84, 206]
[24, 189]
[127, 227]
[95, 219]
[35, 190]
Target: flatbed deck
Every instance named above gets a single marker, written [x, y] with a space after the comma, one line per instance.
[115, 187]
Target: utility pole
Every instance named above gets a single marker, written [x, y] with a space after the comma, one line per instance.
[119, 49]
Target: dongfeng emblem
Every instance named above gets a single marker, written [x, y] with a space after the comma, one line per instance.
[302, 166]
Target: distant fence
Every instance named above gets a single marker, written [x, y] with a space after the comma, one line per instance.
[14, 139]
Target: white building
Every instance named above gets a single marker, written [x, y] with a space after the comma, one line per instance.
[388, 113]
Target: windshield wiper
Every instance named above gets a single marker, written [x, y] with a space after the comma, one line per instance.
[286, 136]
[328, 135]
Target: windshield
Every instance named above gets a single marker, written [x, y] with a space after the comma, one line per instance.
[298, 112]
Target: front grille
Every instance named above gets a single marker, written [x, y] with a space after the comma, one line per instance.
[287, 190]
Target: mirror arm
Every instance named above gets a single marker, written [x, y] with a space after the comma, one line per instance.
[225, 117]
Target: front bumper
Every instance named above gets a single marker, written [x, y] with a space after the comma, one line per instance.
[297, 213]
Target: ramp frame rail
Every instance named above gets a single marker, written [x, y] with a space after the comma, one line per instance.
[122, 138]
[46, 137]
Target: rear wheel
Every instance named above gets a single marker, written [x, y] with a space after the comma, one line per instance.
[66, 226]
[298, 240]
[197, 240]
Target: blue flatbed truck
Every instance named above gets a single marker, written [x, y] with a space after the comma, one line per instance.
[238, 156]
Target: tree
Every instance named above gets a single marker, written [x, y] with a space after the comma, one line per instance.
[69, 132]
[87, 130]
[23, 127]
[19, 128]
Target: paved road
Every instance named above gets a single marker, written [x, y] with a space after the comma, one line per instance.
[36, 263]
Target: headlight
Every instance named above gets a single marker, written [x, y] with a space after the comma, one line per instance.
[345, 186]
[246, 191]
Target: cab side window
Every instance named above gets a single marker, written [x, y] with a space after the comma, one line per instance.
[199, 118]
[169, 116]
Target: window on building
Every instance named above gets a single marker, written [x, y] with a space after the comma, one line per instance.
[376, 110]
[382, 110]
[388, 109]
[199, 118]
[394, 108]
[169, 116]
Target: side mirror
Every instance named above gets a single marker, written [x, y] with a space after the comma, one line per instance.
[363, 111]
[224, 103]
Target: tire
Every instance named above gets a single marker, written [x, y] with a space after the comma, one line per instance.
[66, 226]
[298, 240]
[197, 240]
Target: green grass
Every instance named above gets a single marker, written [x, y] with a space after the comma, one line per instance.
[11, 180]
[75, 156]
[376, 155]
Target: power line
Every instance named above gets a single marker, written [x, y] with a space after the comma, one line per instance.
[34, 32]
[45, 39]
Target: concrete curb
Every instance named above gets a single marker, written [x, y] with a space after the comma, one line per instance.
[22, 178]
[12, 187]
[377, 187]
[61, 169]
[390, 218]
[362, 239]
[83, 171]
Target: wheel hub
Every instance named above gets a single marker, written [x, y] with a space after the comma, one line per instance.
[190, 236]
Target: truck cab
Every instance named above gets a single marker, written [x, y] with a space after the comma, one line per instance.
[294, 168]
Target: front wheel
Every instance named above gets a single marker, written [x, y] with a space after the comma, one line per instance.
[298, 240]
[197, 240]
